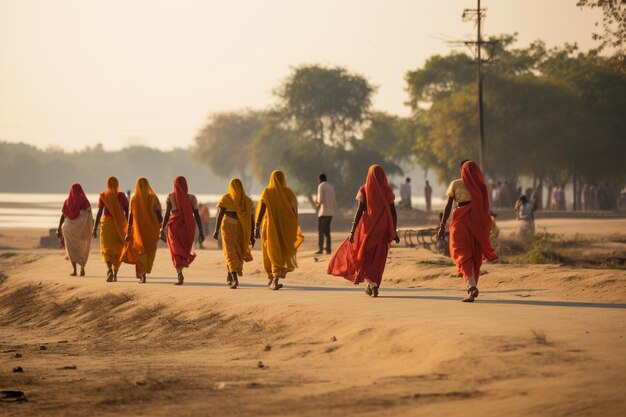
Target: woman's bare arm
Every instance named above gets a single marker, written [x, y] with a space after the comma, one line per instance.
[218, 222]
[357, 219]
[97, 222]
[446, 213]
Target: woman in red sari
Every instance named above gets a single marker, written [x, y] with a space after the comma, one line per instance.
[470, 226]
[363, 255]
[181, 226]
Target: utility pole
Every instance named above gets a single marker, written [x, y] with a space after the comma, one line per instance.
[477, 15]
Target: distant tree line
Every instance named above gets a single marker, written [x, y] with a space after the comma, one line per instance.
[25, 168]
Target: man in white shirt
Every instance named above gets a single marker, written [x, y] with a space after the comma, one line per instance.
[325, 204]
[405, 194]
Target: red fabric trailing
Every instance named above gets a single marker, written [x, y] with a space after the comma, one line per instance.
[367, 256]
[75, 202]
[181, 228]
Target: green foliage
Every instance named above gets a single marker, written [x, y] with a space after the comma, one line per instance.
[325, 104]
[268, 146]
[393, 136]
[613, 33]
[440, 77]
[224, 143]
[550, 114]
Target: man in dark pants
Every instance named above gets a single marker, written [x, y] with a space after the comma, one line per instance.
[325, 204]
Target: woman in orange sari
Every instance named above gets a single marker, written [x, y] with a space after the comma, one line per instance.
[112, 217]
[235, 219]
[470, 226]
[277, 224]
[142, 236]
[75, 228]
[181, 226]
[363, 255]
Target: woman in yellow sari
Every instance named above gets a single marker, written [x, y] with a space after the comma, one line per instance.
[144, 224]
[235, 219]
[112, 217]
[277, 224]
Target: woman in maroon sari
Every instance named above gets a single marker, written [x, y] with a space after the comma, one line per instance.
[181, 226]
[363, 255]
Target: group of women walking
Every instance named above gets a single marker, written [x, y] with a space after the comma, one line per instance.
[129, 232]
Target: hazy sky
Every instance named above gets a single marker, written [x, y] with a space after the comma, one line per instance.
[77, 72]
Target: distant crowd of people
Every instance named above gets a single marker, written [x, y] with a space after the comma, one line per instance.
[599, 197]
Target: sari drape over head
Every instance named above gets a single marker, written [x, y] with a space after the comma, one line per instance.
[181, 227]
[75, 202]
[471, 226]
[367, 256]
[236, 200]
[112, 227]
[281, 233]
[141, 248]
[77, 225]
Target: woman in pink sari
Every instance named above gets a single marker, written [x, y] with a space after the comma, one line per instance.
[363, 255]
[181, 226]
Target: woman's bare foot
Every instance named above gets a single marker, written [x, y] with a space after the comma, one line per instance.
[142, 279]
[181, 278]
[73, 274]
[115, 276]
[82, 271]
[229, 279]
[110, 275]
[270, 280]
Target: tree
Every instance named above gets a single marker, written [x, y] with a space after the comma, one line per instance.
[391, 136]
[554, 115]
[224, 143]
[327, 111]
[613, 32]
[268, 147]
[322, 104]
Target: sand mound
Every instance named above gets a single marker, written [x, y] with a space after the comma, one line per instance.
[542, 340]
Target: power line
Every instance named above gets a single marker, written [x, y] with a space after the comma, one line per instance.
[477, 15]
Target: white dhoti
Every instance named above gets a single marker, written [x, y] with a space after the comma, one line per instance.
[77, 236]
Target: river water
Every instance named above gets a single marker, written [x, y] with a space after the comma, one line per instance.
[39, 210]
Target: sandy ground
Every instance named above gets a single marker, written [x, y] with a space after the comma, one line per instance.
[543, 340]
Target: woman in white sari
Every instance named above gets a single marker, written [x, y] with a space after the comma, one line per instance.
[75, 228]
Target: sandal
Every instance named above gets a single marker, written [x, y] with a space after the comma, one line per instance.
[110, 275]
[375, 291]
[472, 294]
[234, 283]
[275, 285]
